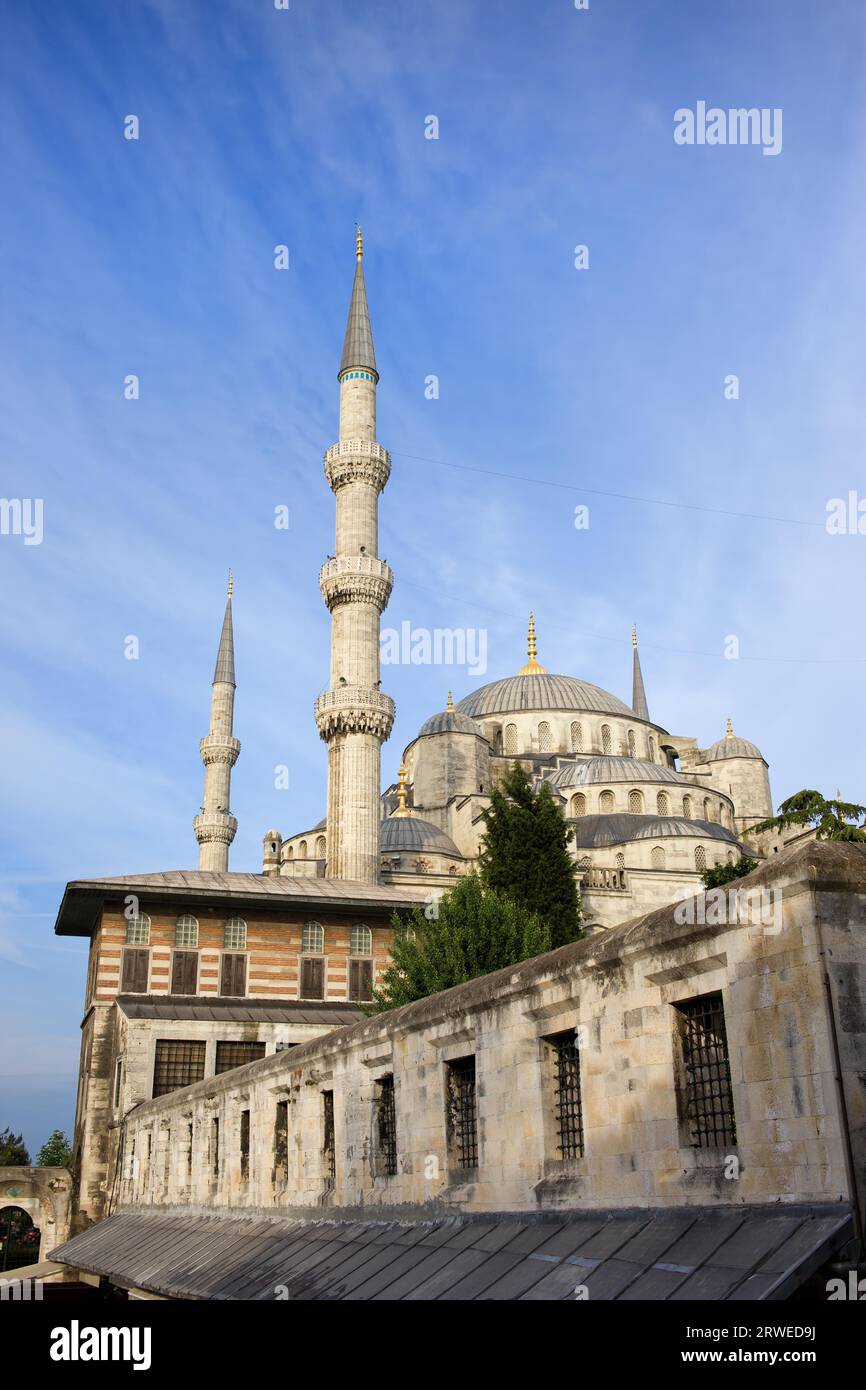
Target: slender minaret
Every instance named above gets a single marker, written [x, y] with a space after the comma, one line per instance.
[353, 716]
[638, 694]
[215, 827]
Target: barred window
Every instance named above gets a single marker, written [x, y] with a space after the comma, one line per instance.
[386, 1127]
[361, 943]
[706, 1098]
[177, 1064]
[544, 737]
[320, 847]
[236, 1054]
[663, 805]
[632, 744]
[186, 931]
[462, 1117]
[138, 930]
[658, 857]
[635, 803]
[313, 938]
[620, 860]
[576, 737]
[700, 859]
[245, 1145]
[329, 1148]
[281, 1141]
[215, 1146]
[605, 738]
[606, 803]
[651, 746]
[687, 807]
[510, 738]
[578, 804]
[568, 1110]
[235, 935]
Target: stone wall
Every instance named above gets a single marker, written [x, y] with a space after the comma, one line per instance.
[793, 985]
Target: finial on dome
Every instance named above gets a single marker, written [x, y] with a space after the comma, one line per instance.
[359, 242]
[402, 791]
[449, 708]
[231, 583]
[729, 731]
[532, 667]
[634, 636]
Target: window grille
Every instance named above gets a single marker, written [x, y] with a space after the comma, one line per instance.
[320, 847]
[186, 931]
[510, 738]
[544, 737]
[635, 803]
[605, 738]
[462, 1114]
[658, 857]
[662, 804]
[708, 1104]
[566, 1094]
[578, 805]
[177, 1064]
[576, 737]
[606, 803]
[687, 807]
[700, 859]
[236, 1054]
[138, 930]
[235, 936]
[329, 1151]
[386, 1126]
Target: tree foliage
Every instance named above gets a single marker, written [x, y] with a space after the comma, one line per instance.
[13, 1151]
[830, 818]
[56, 1151]
[524, 855]
[726, 873]
[471, 931]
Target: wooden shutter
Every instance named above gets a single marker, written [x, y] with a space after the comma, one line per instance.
[184, 972]
[361, 980]
[233, 975]
[312, 977]
[135, 968]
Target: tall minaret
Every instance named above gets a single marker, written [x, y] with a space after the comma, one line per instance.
[215, 828]
[638, 694]
[353, 716]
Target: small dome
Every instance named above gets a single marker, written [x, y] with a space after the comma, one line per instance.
[413, 833]
[599, 832]
[542, 692]
[450, 721]
[592, 770]
[733, 747]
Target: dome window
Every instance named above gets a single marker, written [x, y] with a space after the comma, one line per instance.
[663, 806]
[510, 738]
[576, 737]
[658, 857]
[635, 803]
[687, 807]
[606, 803]
[605, 739]
[700, 859]
[544, 740]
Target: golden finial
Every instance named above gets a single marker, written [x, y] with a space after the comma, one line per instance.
[532, 667]
[634, 636]
[729, 732]
[231, 583]
[359, 242]
[449, 708]
[402, 791]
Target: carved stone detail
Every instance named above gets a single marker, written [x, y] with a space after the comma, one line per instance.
[354, 710]
[357, 460]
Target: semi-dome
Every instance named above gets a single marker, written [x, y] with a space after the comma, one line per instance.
[542, 692]
[605, 769]
[413, 833]
[450, 721]
[732, 746]
[599, 832]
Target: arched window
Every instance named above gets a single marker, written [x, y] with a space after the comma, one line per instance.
[658, 857]
[235, 934]
[361, 942]
[651, 746]
[632, 744]
[635, 803]
[313, 938]
[723, 811]
[186, 931]
[578, 804]
[687, 807]
[730, 856]
[708, 809]
[289, 853]
[510, 738]
[605, 738]
[544, 737]
[576, 737]
[138, 930]
[700, 859]
[606, 803]
[663, 806]
[320, 847]
[620, 860]
[302, 850]
[584, 863]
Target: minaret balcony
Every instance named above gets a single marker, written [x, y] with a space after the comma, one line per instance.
[219, 748]
[354, 709]
[357, 461]
[212, 827]
[356, 579]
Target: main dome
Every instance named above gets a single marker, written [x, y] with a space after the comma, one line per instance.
[541, 692]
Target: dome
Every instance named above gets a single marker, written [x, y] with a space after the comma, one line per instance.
[450, 721]
[733, 747]
[593, 770]
[541, 692]
[599, 832]
[413, 833]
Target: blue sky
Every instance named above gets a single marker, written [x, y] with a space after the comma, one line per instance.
[155, 257]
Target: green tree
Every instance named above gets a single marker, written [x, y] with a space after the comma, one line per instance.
[726, 873]
[56, 1151]
[524, 855]
[831, 819]
[13, 1152]
[469, 932]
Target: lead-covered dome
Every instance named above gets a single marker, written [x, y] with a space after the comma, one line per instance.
[542, 692]
[450, 721]
[732, 746]
[604, 769]
[412, 833]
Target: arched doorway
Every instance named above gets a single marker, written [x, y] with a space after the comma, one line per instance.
[19, 1239]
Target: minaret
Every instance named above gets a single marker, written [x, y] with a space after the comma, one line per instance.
[353, 716]
[215, 827]
[638, 695]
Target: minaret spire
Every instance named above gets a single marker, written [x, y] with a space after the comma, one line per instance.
[215, 826]
[353, 716]
[638, 697]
